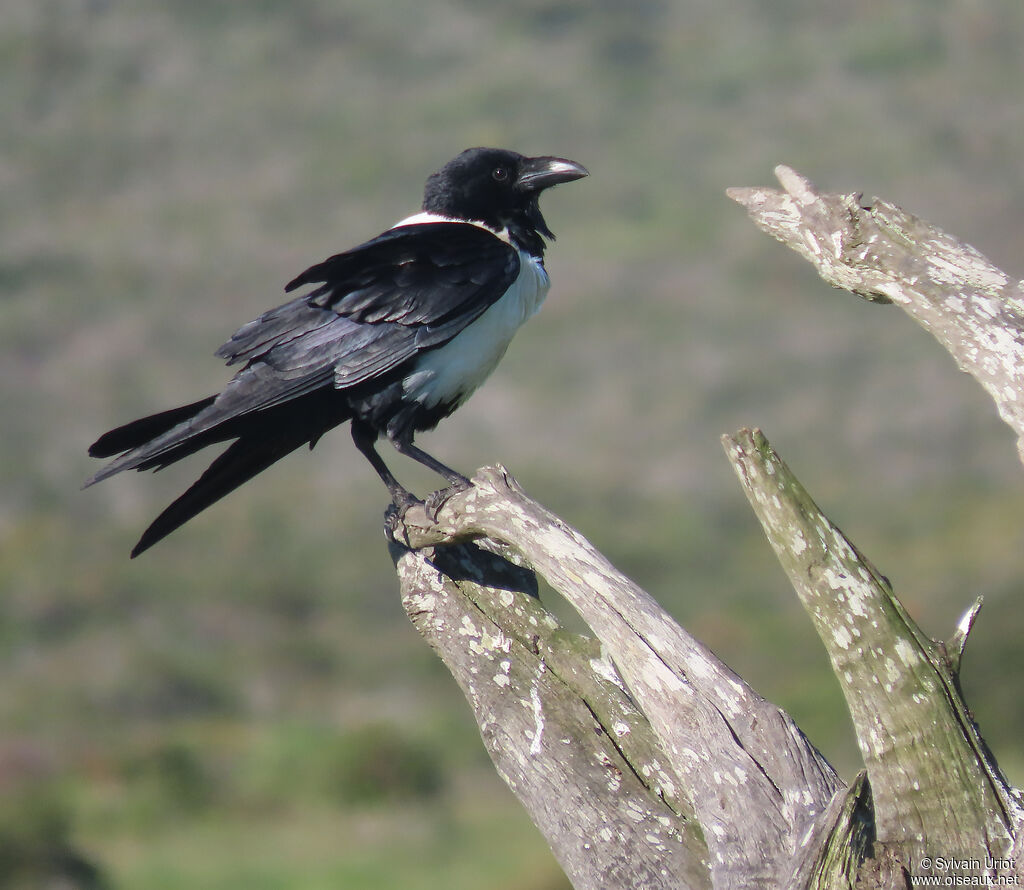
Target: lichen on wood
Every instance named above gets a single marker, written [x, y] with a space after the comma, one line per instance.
[643, 759]
[883, 253]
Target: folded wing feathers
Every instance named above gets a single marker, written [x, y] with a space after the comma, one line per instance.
[376, 307]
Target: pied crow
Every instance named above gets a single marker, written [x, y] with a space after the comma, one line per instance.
[392, 335]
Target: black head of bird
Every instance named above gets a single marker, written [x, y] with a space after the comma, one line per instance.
[498, 188]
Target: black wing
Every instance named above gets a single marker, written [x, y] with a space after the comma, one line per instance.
[373, 307]
[416, 274]
[412, 288]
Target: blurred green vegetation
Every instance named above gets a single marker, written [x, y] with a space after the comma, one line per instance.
[246, 705]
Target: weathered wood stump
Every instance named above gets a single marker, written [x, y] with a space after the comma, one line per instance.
[642, 758]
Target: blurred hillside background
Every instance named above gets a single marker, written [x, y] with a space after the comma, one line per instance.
[246, 705]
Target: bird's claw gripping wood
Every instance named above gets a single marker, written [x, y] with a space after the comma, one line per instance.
[437, 499]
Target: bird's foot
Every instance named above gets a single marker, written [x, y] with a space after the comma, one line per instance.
[394, 515]
[439, 498]
[401, 501]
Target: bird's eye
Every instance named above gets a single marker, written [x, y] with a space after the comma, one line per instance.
[499, 174]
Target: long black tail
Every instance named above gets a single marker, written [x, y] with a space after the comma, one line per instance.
[139, 432]
[244, 459]
[262, 437]
[162, 439]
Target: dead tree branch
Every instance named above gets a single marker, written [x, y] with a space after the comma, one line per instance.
[736, 754]
[884, 254]
[643, 759]
[937, 789]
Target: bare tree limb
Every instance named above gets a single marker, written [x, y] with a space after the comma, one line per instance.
[756, 784]
[644, 760]
[884, 254]
[562, 731]
[937, 789]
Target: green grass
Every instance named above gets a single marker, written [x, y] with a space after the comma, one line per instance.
[181, 719]
[313, 847]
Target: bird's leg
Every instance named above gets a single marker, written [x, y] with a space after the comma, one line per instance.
[406, 447]
[456, 481]
[364, 438]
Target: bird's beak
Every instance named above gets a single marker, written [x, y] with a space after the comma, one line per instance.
[537, 174]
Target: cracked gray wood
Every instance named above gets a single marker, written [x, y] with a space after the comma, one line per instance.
[937, 789]
[755, 782]
[642, 758]
[562, 732]
[885, 254]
